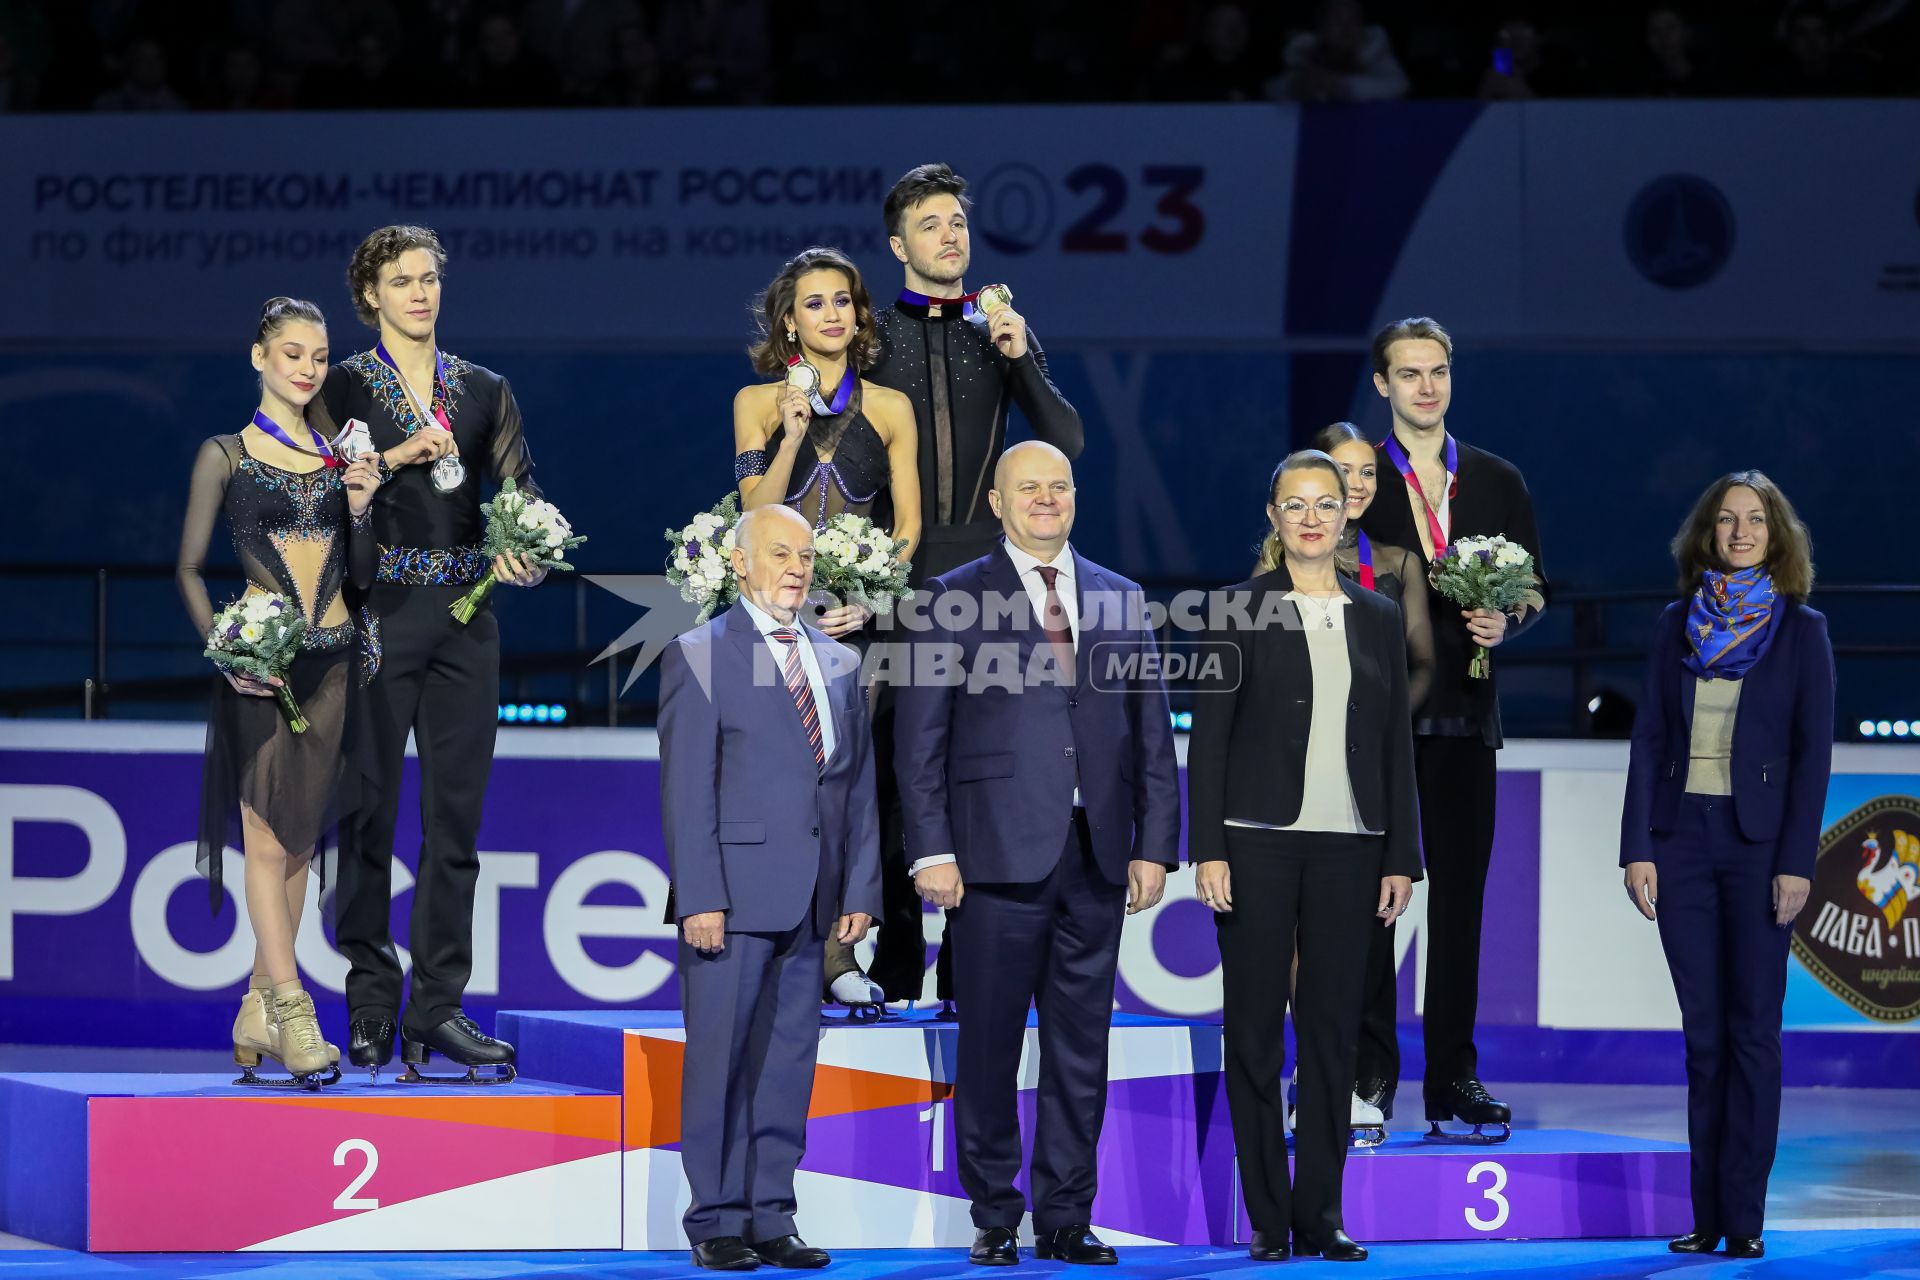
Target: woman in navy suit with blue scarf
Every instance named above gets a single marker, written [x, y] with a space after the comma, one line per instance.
[1732, 746]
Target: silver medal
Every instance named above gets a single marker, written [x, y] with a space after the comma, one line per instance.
[449, 473]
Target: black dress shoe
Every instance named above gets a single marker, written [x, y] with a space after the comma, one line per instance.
[370, 1041]
[1076, 1244]
[994, 1247]
[725, 1253]
[1694, 1242]
[790, 1251]
[1266, 1248]
[1746, 1247]
[1338, 1247]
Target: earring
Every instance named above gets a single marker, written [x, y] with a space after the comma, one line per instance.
[791, 335]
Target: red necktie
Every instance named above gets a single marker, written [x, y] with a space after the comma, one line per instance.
[1053, 620]
[796, 675]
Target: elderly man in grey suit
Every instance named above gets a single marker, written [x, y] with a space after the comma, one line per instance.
[766, 782]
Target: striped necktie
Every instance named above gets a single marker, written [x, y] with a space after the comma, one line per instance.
[796, 675]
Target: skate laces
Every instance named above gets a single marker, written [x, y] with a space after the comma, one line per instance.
[1472, 1090]
[298, 1022]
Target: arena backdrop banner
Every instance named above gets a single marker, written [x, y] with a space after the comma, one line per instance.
[615, 227]
[1555, 222]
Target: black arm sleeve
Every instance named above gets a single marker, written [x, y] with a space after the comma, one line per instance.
[1053, 419]
[1417, 622]
[206, 498]
[1525, 530]
[508, 454]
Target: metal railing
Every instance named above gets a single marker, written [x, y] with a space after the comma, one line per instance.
[135, 650]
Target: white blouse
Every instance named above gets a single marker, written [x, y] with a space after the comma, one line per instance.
[1327, 802]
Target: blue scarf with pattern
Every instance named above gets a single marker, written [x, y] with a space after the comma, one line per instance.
[1730, 622]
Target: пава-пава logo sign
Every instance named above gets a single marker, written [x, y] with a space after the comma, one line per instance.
[1860, 931]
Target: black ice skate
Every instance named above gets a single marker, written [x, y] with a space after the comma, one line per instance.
[1468, 1101]
[370, 1044]
[460, 1041]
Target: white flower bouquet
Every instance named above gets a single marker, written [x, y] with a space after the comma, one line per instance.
[1486, 573]
[854, 561]
[533, 530]
[259, 636]
[701, 560]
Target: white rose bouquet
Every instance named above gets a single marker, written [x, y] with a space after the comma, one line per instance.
[1486, 573]
[535, 531]
[854, 561]
[259, 636]
[701, 560]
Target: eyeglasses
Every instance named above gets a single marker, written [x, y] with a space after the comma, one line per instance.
[1294, 510]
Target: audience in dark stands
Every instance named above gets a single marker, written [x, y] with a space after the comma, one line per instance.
[1344, 58]
[262, 55]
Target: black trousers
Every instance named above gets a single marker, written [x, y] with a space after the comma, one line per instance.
[1457, 786]
[1729, 964]
[1319, 889]
[1054, 944]
[1376, 1069]
[441, 681]
[900, 950]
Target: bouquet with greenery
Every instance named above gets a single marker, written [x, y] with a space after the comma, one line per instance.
[853, 560]
[259, 635]
[1486, 573]
[701, 561]
[533, 530]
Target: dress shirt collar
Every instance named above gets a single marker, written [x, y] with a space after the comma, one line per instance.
[1024, 564]
[765, 622]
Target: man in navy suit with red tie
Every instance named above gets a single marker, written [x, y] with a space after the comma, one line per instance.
[1035, 756]
[766, 794]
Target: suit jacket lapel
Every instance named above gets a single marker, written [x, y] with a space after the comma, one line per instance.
[1351, 590]
[1083, 582]
[1003, 581]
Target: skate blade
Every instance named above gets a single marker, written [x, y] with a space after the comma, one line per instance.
[1369, 1138]
[1478, 1138]
[473, 1077]
[312, 1082]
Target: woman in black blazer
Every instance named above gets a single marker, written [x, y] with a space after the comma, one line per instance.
[1303, 823]
[1732, 746]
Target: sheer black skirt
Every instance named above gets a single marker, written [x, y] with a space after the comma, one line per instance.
[298, 784]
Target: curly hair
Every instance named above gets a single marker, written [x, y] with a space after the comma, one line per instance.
[774, 307]
[375, 252]
[1789, 546]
